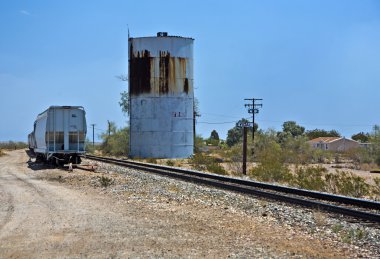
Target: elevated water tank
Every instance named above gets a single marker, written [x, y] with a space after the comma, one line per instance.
[161, 96]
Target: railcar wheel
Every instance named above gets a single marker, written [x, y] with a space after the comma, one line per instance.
[39, 158]
[76, 160]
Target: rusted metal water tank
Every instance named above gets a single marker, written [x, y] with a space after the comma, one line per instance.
[161, 96]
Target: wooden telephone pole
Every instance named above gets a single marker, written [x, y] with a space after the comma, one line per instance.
[253, 108]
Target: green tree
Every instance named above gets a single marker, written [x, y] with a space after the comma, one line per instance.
[296, 150]
[265, 138]
[316, 133]
[119, 142]
[214, 135]
[235, 134]
[115, 141]
[213, 139]
[283, 136]
[124, 96]
[361, 137]
[375, 144]
[124, 102]
[292, 128]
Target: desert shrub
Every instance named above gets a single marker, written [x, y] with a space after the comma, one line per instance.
[373, 150]
[267, 172]
[331, 183]
[235, 158]
[117, 142]
[204, 162]
[1, 152]
[89, 147]
[265, 140]
[376, 187]
[170, 163]
[199, 144]
[212, 142]
[359, 156]
[321, 156]
[12, 145]
[199, 161]
[105, 181]
[352, 234]
[297, 150]
[271, 166]
[310, 178]
[337, 228]
[151, 160]
[216, 168]
[346, 184]
[319, 218]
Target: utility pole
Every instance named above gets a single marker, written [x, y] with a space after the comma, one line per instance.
[109, 132]
[253, 108]
[93, 135]
[194, 134]
[195, 115]
[109, 128]
[244, 150]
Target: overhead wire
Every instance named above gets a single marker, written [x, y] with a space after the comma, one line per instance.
[223, 122]
[273, 121]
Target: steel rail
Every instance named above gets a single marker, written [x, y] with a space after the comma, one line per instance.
[250, 187]
[302, 192]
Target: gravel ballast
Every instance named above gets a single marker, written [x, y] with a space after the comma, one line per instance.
[358, 239]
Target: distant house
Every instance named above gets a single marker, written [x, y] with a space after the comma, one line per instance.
[333, 143]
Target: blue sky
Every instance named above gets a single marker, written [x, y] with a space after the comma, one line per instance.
[315, 62]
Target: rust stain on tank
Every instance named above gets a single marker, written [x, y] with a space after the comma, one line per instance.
[160, 75]
[182, 65]
[163, 80]
[140, 72]
[186, 86]
[177, 74]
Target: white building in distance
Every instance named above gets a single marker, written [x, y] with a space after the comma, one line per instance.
[333, 143]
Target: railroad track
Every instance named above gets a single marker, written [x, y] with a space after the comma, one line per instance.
[358, 208]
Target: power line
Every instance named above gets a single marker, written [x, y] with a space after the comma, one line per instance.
[322, 124]
[96, 128]
[223, 122]
[222, 115]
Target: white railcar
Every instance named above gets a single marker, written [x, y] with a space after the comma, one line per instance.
[59, 134]
[31, 141]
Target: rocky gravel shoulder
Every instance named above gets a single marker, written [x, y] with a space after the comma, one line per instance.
[263, 227]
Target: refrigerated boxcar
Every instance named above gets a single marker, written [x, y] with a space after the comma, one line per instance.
[59, 134]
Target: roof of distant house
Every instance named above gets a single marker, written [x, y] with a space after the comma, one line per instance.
[324, 139]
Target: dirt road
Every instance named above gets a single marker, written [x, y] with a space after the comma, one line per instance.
[40, 218]
[44, 213]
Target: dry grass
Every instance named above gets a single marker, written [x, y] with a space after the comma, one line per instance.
[320, 218]
[173, 189]
[2, 152]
